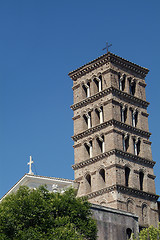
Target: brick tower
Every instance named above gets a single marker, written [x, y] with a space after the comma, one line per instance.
[112, 151]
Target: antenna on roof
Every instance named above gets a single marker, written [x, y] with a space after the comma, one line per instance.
[107, 46]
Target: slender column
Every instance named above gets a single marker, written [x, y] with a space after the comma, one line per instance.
[99, 84]
[102, 141]
[90, 149]
[100, 115]
[88, 120]
[88, 89]
[120, 83]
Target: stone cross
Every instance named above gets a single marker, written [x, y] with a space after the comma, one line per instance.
[107, 46]
[30, 165]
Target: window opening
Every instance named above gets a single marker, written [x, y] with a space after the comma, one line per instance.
[127, 172]
[99, 112]
[132, 87]
[136, 144]
[102, 174]
[89, 148]
[98, 83]
[134, 118]
[144, 213]
[130, 207]
[123, 114]
[128, 233]
[88, 178]
[87, 118]
[125, 143]
[100, 141]
[122, 82]
[141, 177]
[86, 88]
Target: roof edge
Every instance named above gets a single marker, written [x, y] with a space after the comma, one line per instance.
[108, 57]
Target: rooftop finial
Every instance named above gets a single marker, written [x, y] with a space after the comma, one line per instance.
[107, 46]
[30, 166]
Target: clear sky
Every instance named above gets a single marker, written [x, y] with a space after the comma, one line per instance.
[41, 41]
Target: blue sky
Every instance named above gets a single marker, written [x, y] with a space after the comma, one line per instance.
[41, 41]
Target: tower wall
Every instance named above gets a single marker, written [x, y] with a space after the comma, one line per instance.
[112, 150]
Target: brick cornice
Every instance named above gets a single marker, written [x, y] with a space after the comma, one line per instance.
[116, 152]
[111, 122]
[106, 58]
[123, 189]
[91, 99]
[143, 84]
[76, 117]
[135, 192]
[145, 114]
[127, 97]
[138, 159]
[76, 86]
[151, 176]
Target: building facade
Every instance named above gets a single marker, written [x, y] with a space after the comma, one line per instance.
[112, 150]
[51, 183]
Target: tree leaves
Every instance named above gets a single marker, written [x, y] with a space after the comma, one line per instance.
[150, 233]
[39, 214]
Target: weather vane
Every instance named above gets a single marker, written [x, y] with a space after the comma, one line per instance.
[107, 46]
[30, 166]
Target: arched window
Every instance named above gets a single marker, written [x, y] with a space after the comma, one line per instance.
[99, 112]
[123, 114]
[144, 213]
[122, 82]
[134, 118]
[141, 177]
[127, 172]
[98, 83]
[125, 142]
[132, 87]
[88, 147]
[88, 178]
[103, 203]
[87, 119]
[86, 89]
[136, 145]
[100, 141]
[128, 233]
[130, 206]
[102, 174]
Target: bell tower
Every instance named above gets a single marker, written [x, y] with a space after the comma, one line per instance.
[112, 150]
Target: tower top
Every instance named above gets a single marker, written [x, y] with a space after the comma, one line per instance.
[106, 58]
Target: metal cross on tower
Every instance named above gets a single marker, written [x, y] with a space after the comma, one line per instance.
[107, 46]
[30, 165]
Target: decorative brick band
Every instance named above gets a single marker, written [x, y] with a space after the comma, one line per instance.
[105, 92]
[136, 192]
[111, 122]
[126, 190]
[91, 99]
[117, 152]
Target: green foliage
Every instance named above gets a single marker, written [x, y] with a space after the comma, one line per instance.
[39, 214]
[150, 233]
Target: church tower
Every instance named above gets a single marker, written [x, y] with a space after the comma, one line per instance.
[112, 150]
